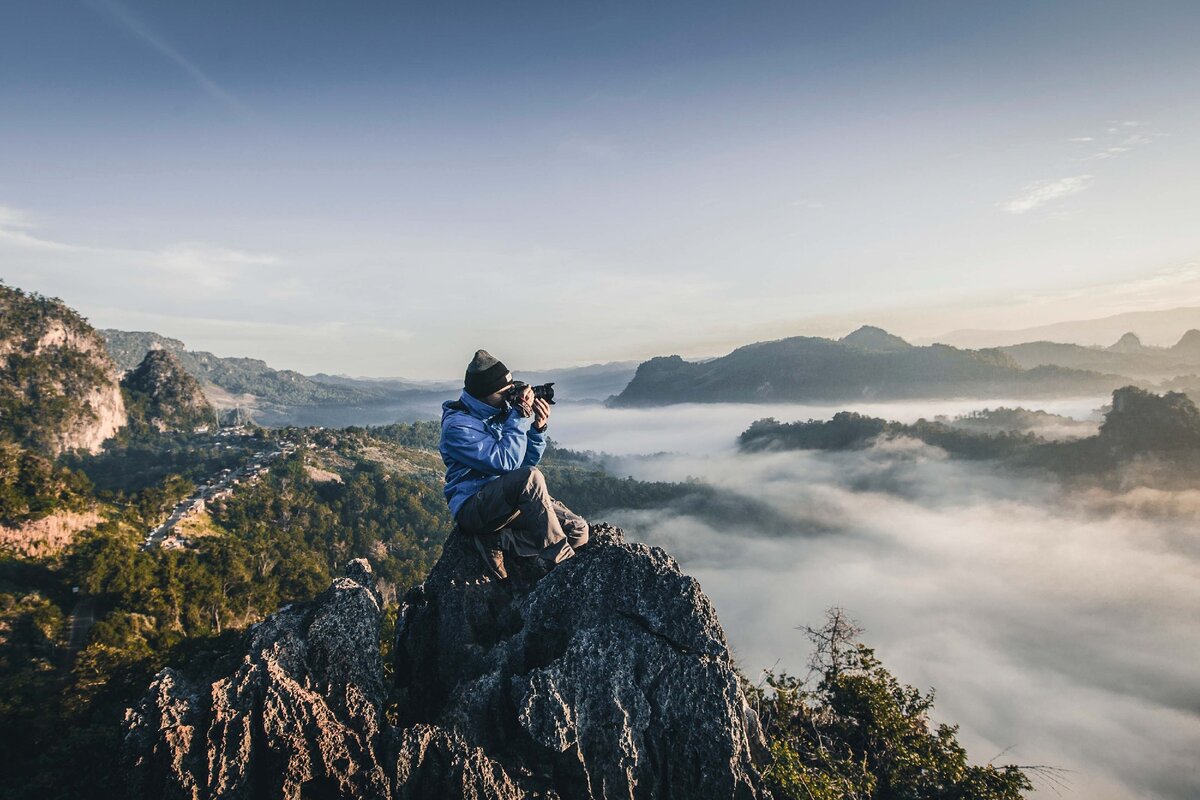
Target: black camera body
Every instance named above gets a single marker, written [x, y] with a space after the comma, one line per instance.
[543, 392]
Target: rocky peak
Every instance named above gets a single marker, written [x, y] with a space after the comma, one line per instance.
[1144, 422]
[58, 387]
[608, 677]
[875, 340]
[164, 397]
[301, 714]
[1129, 343]
[1188, 344]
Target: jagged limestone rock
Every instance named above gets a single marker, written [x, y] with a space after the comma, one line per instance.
[432, 763]
[300, 716]
[609, 677]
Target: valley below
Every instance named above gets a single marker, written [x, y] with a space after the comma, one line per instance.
[1053, 619]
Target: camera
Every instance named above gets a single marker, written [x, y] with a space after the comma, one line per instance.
[542, 392]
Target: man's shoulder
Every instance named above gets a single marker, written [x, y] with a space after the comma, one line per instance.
[457, 414]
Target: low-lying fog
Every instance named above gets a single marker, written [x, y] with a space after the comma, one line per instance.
[1058, 629]
[714, 427]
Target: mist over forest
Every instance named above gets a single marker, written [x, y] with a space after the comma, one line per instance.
[1056, 623]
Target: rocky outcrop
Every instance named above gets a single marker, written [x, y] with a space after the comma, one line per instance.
[874, 340]
[1188, 345]
[608, 677]
[300, 716]
[243, 380]
[1142, 422]
[434, 763]
[163, 397]
[1128, 343]
[58, 387]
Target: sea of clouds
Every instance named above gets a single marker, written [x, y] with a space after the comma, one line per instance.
[1057, 627]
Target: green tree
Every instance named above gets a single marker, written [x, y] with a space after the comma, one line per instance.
[860, 734]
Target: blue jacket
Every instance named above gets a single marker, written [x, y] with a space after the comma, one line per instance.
[481, 443]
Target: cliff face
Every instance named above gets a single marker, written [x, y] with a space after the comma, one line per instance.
[608, 677]
[301, 714]
[58, 387]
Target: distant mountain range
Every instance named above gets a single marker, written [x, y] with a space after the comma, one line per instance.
[870, 363]
[282, 397]
[592, 382]
[1159, 327]
[234, 377]
[1127, 356]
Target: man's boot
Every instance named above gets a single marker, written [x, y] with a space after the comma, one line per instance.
[488, 545]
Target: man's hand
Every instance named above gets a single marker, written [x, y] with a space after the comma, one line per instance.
[541, 414]
[525, 401]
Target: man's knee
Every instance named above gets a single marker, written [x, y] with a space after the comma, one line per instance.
[531, 478]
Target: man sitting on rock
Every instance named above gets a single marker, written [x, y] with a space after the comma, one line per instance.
[496, 493]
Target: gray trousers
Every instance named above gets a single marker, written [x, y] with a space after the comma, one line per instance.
[528, 520]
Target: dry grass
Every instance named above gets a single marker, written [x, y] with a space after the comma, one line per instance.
[49, 535]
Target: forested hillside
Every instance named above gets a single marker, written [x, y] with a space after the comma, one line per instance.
[1160, 434]
[58, 387]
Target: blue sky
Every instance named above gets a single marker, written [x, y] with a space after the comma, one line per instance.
[381, 188]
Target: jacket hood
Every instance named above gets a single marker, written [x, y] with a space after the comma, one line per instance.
[475, 407]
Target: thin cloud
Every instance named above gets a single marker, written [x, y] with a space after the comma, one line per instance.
[14, 227]
[1038, 194]
[131, 23]
[203, 265]
[210, 268]
[13, 218]
[1118, 138]
[1124, 146]
[1166, 288]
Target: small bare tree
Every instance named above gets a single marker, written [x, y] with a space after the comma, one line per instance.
[832, 642]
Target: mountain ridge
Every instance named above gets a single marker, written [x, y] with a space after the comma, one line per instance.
[1156, 327]
[806, 368]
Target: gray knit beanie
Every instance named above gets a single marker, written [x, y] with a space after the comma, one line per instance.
[486, 374]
